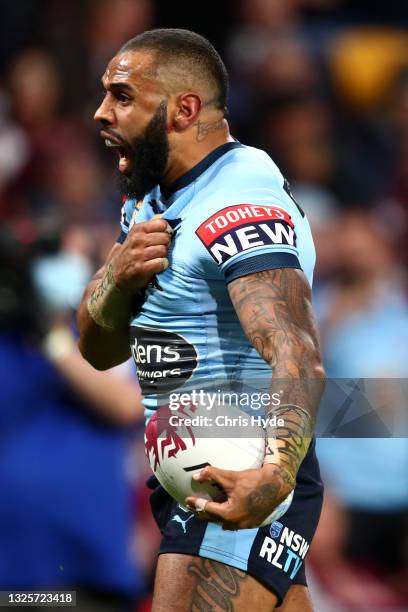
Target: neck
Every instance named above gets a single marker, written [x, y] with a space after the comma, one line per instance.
[204, 136]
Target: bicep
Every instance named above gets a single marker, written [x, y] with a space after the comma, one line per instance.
[275, 311]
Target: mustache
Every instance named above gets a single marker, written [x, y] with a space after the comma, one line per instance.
[108, 132]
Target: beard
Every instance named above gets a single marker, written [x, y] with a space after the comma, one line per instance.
[149, 154]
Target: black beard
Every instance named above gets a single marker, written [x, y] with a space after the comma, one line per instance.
[150, 153]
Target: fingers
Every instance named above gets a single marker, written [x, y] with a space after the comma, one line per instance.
[154, 252]
[157, 238]
[153, 225]
[155, 266]
[207, 509]
[168, 228]
[141, 236]
[200, 504]
[224, 477]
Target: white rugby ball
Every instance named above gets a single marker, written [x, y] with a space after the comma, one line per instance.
[177, 447]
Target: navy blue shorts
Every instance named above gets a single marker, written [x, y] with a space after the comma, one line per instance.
[274, 554]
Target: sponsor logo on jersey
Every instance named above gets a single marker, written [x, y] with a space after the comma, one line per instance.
[241, 227]
[286, 553]
[164, 360]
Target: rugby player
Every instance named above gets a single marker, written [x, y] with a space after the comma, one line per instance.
[210, 278]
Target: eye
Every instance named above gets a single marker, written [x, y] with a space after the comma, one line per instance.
[122, 97]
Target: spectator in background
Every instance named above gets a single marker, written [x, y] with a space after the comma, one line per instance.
[364, 322]
[394, 204]
[67, 512]
[62, 173]
[260, 21]
[296, 129]
[364, 63]
[269, 55]
[108, 24]
[14, 153]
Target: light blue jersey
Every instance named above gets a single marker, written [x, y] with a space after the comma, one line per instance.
[232, 215]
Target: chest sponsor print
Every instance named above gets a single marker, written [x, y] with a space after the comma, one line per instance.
[241, 227]
[164, 360]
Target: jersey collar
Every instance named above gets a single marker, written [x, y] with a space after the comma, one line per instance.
[199, 168]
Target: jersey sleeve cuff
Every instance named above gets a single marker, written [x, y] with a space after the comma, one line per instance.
[122, 237]
[260, 263]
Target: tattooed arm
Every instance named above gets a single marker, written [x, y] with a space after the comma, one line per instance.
[104, 313]
[275, 311]
[101, 347]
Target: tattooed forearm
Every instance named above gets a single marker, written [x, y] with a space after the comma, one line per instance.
[109, 306]
[216, 585]
[289, 445]
[208, 127]
[275, 311]
[259, 500]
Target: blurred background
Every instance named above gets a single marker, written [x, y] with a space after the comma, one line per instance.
[322, 86]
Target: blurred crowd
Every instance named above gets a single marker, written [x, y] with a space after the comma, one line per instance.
[322, 86]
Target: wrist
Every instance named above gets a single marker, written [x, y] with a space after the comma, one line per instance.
[115, 279]
[272, 471]
[108, 305]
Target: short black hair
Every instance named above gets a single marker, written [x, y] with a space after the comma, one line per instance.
[177, 45]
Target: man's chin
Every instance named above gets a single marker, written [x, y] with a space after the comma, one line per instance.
[131, 190]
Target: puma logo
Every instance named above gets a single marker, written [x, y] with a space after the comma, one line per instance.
[182, 522]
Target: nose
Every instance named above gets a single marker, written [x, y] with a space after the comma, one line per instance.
[104, 113]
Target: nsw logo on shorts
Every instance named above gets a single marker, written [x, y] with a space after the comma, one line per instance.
[241, 227]
[285, 549]
[275, 529]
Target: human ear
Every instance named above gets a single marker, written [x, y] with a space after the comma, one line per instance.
[187, 111]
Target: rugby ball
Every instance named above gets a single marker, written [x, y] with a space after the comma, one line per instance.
[181, 442]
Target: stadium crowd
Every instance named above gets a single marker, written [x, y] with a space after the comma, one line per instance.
[321, 85]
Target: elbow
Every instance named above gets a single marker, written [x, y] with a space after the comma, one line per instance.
[99, 365]
[93, 358]
[317, 376]
[310, 360]
[314, 368]
[318, 371]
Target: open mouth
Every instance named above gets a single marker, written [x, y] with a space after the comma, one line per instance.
[124, 162]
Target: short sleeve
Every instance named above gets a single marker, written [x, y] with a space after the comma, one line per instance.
[245, 238]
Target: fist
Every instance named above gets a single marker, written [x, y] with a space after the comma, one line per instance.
[143, 254]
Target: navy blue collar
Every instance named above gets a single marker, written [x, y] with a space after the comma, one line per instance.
[199, 168]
